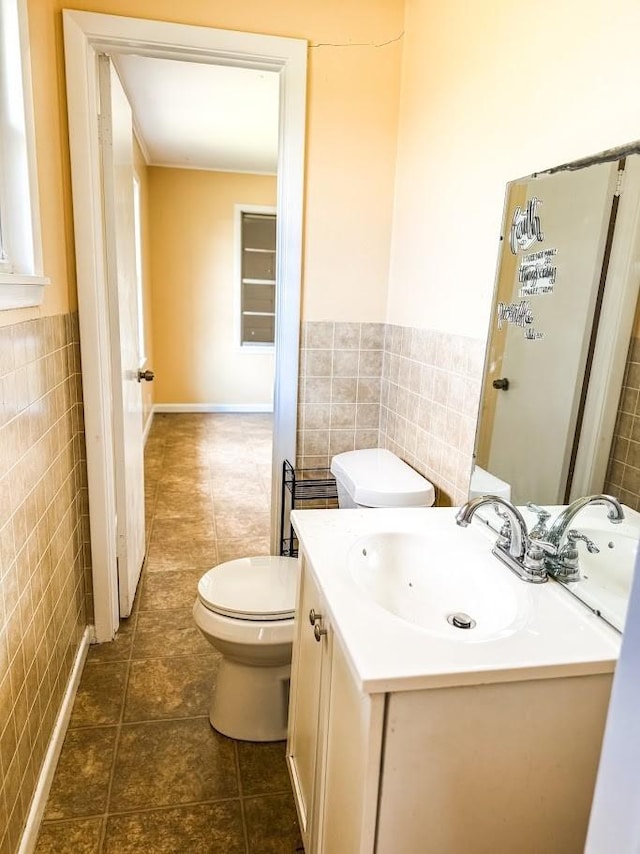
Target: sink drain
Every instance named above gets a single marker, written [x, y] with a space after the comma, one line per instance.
[461, 620]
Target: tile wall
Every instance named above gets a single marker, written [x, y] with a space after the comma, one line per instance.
[339, 390]
[44, 548]
[623, 473]
[429, 405]
[414, 391]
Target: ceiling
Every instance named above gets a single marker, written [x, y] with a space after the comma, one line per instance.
[199, 116]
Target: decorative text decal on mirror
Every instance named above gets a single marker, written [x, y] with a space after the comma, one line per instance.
[518, 314]
[537, 273]
[525, 227]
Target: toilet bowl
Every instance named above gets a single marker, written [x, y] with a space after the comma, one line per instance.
[245, 610]
[374, 477]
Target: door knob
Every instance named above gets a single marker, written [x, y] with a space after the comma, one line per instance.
[147, 376]
[502, 384]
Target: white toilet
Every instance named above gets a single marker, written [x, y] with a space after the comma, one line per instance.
[245, 607]
[375, 477]
[245, 610]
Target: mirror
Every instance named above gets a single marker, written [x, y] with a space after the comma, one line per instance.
[557, 412]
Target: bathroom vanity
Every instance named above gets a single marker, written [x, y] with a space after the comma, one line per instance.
[409, 734]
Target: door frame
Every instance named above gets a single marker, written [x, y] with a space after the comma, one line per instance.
[85, 35]
[614, 333]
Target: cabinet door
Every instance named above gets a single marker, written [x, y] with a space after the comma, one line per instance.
[308, 704]
[348, 797]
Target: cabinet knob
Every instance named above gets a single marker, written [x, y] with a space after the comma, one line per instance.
[318, 631]
[313, 617]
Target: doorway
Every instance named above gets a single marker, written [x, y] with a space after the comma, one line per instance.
[86, 36]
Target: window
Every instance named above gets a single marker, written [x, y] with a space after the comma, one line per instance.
[21, 280]
[257, 276]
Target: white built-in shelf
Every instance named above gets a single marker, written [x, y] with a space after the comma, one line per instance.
[255, 249]
[259, 313]
[258, 281]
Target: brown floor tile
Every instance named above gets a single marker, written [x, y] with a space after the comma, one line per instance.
[174, 783]
[272, 825]
[81, 782]
[240, 504]
[160, 634]
[181, 531]
[169, 589]
[170, 687]
[81, 836]
[205, 829]
[100, 694]
[184, 491]
[199, 554]
[263, 769]
[119, 649]
[233, 526]
[232, 549]
[180, 504]
[168, 763]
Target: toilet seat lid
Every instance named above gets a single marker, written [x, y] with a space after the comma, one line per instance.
[375, 477]
[251, 588]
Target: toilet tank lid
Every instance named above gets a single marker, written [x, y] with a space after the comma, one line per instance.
[374, 477]
[251, 588]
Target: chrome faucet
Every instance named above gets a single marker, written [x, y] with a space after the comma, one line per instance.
[563, 565]
[561, 523]
[515, 548]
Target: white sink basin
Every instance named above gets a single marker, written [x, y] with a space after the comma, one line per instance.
[406, 574]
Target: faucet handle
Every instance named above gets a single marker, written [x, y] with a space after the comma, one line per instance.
[574, 536]
[504, 537]
[566, 567]
[539, 530]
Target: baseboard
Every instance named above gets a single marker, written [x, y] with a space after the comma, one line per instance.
[147, 426]
[39, 802]
[213, 407]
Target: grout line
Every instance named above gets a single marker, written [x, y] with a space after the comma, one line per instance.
[245, 830]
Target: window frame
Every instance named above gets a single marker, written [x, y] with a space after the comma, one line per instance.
[21, 270]
[248, 346]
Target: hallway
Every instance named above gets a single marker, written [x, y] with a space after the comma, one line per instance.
[141, 769]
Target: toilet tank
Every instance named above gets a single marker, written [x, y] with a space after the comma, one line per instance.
[374, 477]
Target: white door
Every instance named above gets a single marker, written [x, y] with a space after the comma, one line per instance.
[117, 174]
[545, 376]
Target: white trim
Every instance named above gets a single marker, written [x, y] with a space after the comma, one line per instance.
[45, 778]
[213, 407]
[17, 292]
[22, 281]
[86, 34]
[147, 426]
[162, 165]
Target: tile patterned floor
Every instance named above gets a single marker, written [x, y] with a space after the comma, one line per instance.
[141, 769]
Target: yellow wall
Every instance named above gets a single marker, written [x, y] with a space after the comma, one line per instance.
[493, 91]
[193, 290]
[352, 112]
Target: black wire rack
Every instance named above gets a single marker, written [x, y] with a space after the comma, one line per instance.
[304, 485]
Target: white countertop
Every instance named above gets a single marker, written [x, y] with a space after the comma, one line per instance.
[557, 636]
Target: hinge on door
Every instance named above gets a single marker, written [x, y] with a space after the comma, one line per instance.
[619, 183]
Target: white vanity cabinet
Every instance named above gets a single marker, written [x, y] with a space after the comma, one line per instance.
[335, 731]
[496, 768]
